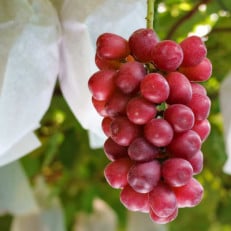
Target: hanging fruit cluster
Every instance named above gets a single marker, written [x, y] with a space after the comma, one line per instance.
[155, 118]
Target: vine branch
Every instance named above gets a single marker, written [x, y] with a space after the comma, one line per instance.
[185, 18]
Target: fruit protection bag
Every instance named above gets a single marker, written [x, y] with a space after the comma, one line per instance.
[44, 42]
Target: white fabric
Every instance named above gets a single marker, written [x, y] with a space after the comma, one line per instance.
[225, 96]
[42, 42]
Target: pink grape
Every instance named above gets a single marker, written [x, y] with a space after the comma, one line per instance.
[167, 55]
[185, 144]
[112, 46]
[113, 150]
[106, 124]
[154, 87]
[176, 171]
[180, 88]
[162, 200]
[141, 43]
[133, 200]
[180, 117]
[200, 105]
[143, 177]
[123, 131]
[158, 132]
[117, 103]
[197, 162]
[163, 220]
[198, 89]
[140, 110]
[202, 128]
[116, 172]
[101, 84]
[199, 73]
[194, 50]
[129, 76]
[141, 150]
[190, 194]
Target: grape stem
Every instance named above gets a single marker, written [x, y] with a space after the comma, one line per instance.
[150, 14]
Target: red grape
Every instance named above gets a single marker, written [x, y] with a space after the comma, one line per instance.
[140, 110]
[197, 162]
[176, 171]
[180, 117]
[198, 89]
[101, 84]
[106, 124]
[154, 87]
[190, 194]
[113, 150]
[133, 200]
[158, 132]
[141, 43]
[162, 200]
[129, 76]
[167, 55]
[200, 105]
[141, 150]
[112, 46]
[180, 88]
[104, 64]
[117, 103]
[142, 177]
[200, 72]
[163, 220]
[185, 144]
[202, 128]
[99, 106]
[123, 131]
[194, 50]
[116, 172]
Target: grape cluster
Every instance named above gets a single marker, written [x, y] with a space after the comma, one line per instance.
[155, 118]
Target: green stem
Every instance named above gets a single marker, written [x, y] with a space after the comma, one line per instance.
[150, 13]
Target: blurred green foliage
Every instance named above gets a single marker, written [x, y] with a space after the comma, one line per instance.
[74, 171]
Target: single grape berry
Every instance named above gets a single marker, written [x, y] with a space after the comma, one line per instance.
[167, 55]
[163, 220]
[199, 73]
[158, 132]
[123, 131]
[180, 117]
[177, 171]
[140, 110]
[200, 105]
[113, 150]
[141, 43]
[194, 50]
[129, 76]
[190, 194]
[112, 46]
[133, 200]
[143, 177]
[140, 150]
[180, 88]
[116, 172]
[185, 144]
[101, 84]
[162, 200]
[154, 87]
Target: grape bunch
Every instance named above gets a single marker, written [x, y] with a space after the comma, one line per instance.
[155, 114]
